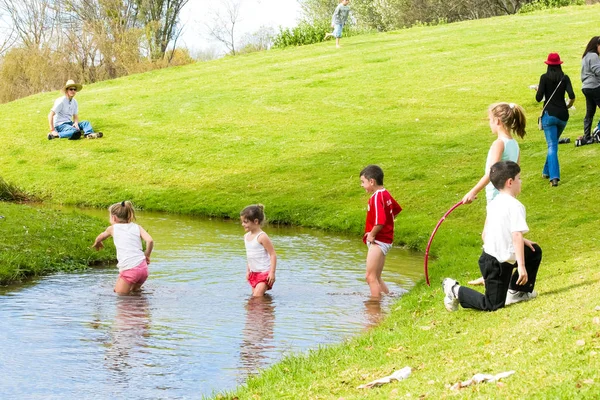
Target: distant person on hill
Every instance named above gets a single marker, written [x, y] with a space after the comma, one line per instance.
[132, 259]
[379, 227]
[64, 116]
[552, 87]
[262, 259]
[504, 248]
[338, 20]
[590, 85]
[505, 119]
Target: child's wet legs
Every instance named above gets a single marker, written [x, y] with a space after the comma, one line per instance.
[383, 287]
[260, 289]
[122, 287]
[137, 287]
[375, 261]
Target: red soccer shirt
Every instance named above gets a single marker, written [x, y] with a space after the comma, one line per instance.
[382, 210]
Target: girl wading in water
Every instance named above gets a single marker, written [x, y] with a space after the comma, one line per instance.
[127, 236]
[262, 259]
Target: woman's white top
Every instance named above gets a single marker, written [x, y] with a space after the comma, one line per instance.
[129, 245]
[258, 258]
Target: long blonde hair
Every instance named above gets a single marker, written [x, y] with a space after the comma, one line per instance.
[511, 115]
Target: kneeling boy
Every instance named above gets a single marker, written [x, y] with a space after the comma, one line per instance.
[504, 248]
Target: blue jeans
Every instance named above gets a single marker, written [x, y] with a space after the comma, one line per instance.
[553, 128]
[337, 30]
[66, 130]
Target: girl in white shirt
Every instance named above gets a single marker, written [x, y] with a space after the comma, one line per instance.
[132, 259]
[262, 259]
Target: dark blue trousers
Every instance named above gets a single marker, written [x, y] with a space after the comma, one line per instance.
[499, 277]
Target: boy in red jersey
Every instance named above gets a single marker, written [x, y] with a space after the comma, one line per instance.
[379, 228]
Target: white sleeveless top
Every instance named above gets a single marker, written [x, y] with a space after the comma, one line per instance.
[129, 245]
[258, 258]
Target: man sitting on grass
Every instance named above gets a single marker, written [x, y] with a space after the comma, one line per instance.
[64, 117]
[504, 248]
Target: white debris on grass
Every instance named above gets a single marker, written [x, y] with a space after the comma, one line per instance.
[479, 378]
[396, 376]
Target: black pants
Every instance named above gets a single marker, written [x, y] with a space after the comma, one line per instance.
[499, 277]
[592, 100]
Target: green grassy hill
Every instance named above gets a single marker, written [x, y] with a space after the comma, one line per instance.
[292, 129]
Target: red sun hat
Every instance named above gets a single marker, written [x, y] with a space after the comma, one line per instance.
[553, 59]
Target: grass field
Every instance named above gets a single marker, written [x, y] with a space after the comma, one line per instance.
[292, 128]
[40, 241]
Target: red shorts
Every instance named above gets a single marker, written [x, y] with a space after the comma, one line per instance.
[257, 277]
[136, 275]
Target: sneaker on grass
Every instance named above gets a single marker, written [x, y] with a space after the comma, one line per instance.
[94, 135]
[514, 296]
[450, 300]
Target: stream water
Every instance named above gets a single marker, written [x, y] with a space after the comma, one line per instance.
[194, 330]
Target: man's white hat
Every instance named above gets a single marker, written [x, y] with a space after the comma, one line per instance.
[71, 83]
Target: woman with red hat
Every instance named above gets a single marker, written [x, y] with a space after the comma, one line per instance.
[552, 88]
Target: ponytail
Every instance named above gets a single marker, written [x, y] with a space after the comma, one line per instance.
[124, 211]
[512, 116]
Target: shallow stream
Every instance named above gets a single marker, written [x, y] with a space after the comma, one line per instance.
[194, 330]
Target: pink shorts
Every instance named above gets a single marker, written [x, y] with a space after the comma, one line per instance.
[136, 275]
[257, 277]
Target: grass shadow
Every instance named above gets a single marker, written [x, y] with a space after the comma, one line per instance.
[570, 287]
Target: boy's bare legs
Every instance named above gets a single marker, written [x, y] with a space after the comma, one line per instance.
[337, 42]
[259, 289]
[375, 261]
[122, 287]
[327, 35]
[382, 285]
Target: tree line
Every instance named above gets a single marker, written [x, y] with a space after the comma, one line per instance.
[386, 15]
[46, 42]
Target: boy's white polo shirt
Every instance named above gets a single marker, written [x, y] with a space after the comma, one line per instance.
[505, 215]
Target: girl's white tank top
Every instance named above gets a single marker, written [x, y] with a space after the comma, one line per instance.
[129, 245]
[258, 258]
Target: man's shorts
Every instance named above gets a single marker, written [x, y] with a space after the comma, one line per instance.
[257, 277]
[385, 247]
[136, 275]
[337, 30]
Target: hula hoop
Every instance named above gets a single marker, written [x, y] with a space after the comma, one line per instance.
[433, 234]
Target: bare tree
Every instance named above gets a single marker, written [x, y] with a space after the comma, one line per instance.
[260, 40]
[114, 29]
[161, 21]
[7, 38]
[34, 21]
[224, 21]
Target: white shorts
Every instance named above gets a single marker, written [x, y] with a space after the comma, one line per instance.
[385, 247]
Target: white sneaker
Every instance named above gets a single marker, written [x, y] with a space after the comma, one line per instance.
[450, 300]
[514, 296]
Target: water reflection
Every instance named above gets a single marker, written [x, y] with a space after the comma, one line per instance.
[257, 334]
[128, 334]
[373, 310]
